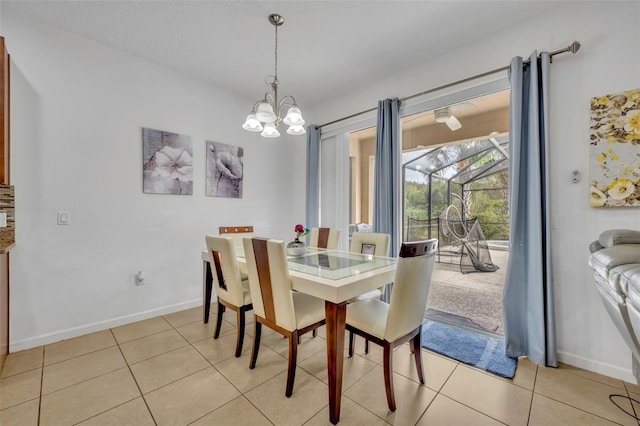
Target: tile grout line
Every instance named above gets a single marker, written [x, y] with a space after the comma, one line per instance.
[85, 380]
[226, 359]
[257, 385]
[146, 335]
[229, 402]
[362, 406]
[575, 407]
[81, 355]
[316, 413]
[533, 392]
[438, 392]
[476, 410]
[211, 363]
[242, 394]
[189, 375]
[41, 380]
[566, 403]
[156, 355]
[191, 344]
[188, 343]
[459, 363]
[135, 381]
[95, 377]
[105, 411]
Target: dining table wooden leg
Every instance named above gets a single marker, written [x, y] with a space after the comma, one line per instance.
[207, 288]
[336, 315]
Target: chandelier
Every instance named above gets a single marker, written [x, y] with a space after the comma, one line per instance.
[266, 114]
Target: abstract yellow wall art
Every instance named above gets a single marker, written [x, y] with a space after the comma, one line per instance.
[615, 150]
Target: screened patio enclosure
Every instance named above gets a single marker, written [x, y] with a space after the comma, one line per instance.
[452, 189]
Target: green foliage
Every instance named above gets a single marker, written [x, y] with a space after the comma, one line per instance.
[490, 212]
[489, 203]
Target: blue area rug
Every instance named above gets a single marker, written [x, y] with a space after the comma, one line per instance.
[475, 349]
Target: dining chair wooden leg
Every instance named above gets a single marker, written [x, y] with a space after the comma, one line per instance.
[293, 355]
[314, 333]
[388, 375]
[256, 343]
[351, 342]
[366, 346]
[412, 345]
[417, 354]
[241, 323]
[220, 309]
[208, 288]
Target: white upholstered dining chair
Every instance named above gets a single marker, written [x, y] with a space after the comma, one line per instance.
[376, 244]
[237, 233]
[231, 290]
[400, 321]
[326, 238]
[275, 304]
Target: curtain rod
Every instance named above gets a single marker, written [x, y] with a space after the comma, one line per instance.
[573, 48]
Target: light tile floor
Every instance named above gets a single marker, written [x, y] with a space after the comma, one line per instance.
[169, 370]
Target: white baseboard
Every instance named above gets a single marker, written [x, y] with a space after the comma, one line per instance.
[598, 367]
[45, 339]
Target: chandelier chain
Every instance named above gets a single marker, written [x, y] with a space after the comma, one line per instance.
[276, 54]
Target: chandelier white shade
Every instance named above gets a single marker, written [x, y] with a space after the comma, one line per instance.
[267, 114]
[296, 130]
[270, 131]
[252, 124]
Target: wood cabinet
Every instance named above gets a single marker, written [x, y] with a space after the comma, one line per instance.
[4, 114]
[4, 180]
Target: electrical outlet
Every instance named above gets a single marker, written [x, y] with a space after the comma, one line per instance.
[3, 219]
[64, 218]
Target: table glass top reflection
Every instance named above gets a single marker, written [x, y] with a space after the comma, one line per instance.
[337, 265]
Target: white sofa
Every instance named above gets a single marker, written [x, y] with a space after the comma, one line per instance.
[615, 260]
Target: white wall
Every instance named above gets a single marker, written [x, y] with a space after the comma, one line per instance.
[77, 112]
[607, 63]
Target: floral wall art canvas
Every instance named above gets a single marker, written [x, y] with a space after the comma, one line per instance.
[615, 150]
[224, 170]
[167, 163]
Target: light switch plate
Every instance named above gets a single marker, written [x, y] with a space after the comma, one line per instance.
[63, 218]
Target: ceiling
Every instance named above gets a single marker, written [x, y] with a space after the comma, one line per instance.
[326, 48]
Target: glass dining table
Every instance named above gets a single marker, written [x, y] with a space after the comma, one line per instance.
[335, 277]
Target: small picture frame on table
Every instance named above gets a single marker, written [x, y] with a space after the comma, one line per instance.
[368, 249]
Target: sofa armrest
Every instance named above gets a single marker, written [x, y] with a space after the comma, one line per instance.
[595, 246]
[608, 258]
[614, 237]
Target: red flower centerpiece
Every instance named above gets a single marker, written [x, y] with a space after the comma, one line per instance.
[297, 247]
[300, 231]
